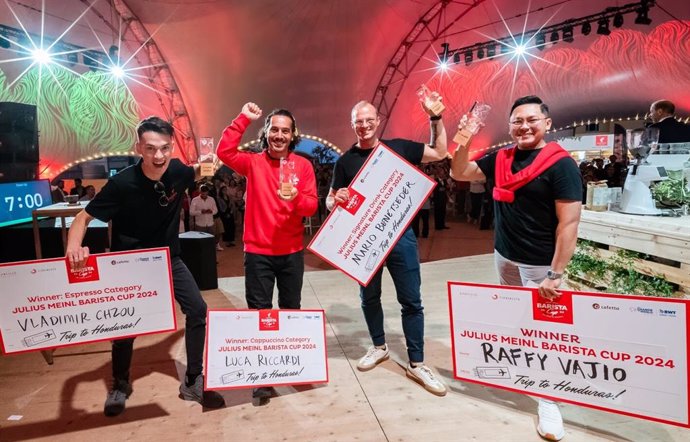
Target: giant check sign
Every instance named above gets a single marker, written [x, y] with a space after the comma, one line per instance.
[625, 354]
[254, 348]
[384, 198]
[44, 304]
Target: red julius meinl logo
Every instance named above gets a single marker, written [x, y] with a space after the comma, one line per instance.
[356, 200]
[559, 310]
[601, 140]
[85, 274]
[268, 320]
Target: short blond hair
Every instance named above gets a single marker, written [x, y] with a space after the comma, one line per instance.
[360, 104]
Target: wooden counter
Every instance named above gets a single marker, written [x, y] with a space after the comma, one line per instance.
[663, 237]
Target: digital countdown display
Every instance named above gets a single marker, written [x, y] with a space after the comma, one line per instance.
[19, 199]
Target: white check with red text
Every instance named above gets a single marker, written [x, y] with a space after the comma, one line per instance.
[46, 304]
[258, 348]
[384, 197]
[619, 353]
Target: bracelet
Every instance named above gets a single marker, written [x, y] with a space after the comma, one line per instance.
[435, 118]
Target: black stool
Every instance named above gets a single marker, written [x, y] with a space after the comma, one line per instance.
[199, 255]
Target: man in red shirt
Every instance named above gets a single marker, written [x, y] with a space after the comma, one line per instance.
[273, 228]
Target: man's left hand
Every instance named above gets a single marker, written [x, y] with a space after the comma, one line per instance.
[547, 288]
[293, 194]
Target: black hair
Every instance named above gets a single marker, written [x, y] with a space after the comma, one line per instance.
[667, 106]
[531, 99]
[263, 141]
[155, 124]
[203, 188]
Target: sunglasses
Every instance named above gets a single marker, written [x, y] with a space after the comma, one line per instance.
[159, 187]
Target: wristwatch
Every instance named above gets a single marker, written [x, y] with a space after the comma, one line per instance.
[553, 275]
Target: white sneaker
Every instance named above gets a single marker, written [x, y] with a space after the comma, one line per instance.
[426, 378]
[219, 248]
[373, 357]
[550, 421]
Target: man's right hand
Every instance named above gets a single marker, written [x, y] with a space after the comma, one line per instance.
[342, 195]
[251, 111]
[77, 257]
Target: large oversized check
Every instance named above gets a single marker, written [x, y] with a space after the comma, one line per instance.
[255, 348]
[45, 304]
[384, 198]
[625, 354]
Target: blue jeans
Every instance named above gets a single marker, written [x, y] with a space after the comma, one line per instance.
[403, 266]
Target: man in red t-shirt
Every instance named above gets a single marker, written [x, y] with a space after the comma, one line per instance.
[273, 227]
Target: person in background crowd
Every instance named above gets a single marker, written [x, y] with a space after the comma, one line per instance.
[537, 213]
[78, 189]
[57, 192]
[89, 193]
[202, 209]
[477, 190]
[662, 114]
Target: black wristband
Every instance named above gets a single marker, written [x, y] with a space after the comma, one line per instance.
[435, 118]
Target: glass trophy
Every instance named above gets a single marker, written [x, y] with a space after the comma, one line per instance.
[430, 100]
[287, 177]
[471, 123]
[206, 158]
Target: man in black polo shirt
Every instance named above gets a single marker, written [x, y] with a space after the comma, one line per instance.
[403, 260]
[537, 212]
[143, 203]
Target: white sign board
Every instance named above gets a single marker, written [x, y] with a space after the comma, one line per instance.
[260, 348]
[624, 354]
[45, 304]
[384, 198]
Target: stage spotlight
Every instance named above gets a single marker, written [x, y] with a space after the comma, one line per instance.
[40, 56]
[505, 48]
[520, 49]
[480, 53]
[554, 37]
[540, 41]
[642, 17]
[491, 51]
[117, 71]
[568, 34]
[603, 28]
[618, 20]
[468, 58]
[586, 28]
[456, 57]
[444, 53]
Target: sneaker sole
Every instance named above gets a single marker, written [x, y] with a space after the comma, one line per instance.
[420, 382]
[384, 359]
[549, 436]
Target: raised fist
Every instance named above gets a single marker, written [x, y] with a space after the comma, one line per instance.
[252, 111]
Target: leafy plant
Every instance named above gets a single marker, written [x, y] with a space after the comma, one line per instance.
[673, 191]
[617, 274]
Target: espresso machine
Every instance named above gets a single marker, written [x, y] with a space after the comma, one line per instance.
[637, 198]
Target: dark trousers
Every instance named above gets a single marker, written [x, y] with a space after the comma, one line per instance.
[187, 294]
[476, 205]
[440, 201]
[229, 226]
[263, 271]
[423, 214]
[403, 266]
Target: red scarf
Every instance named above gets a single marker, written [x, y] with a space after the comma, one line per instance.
[508, 182]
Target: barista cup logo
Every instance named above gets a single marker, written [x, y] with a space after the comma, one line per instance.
[558, 310]
[89, 272]
[356, 200]
[268, 320]
[601, 140]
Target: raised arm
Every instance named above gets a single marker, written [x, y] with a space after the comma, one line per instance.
[228, 151]
[462, 169]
